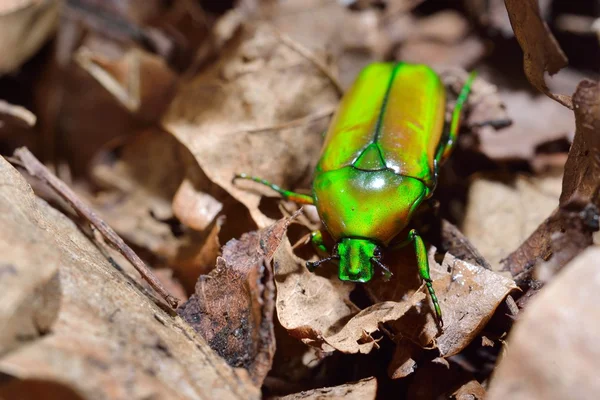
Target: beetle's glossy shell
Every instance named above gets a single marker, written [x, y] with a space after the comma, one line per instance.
[391, 118]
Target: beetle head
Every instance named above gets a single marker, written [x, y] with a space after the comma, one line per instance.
[357, 259]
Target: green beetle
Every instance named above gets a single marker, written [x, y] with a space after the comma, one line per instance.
[379, 162]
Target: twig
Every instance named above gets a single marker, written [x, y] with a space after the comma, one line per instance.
[35, 168]
[309, 55]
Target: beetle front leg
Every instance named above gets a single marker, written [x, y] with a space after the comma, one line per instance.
[452, 134]
[286, 194]
[423, 263]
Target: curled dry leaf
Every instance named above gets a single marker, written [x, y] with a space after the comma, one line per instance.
[110, 339]
[364, 389]
[542, 52]
[230, 116]
[232, 307]
[556, 363]
[29, 283]
[24, 28]
[468, 296]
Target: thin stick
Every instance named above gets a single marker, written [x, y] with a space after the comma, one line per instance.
[309, 55]
[35, 168]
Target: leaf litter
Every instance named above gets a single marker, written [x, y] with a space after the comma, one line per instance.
[251, 90]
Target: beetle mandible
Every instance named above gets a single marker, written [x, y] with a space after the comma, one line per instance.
[379, 162]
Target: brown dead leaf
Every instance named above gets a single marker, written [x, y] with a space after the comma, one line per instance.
[257, 84]
[468, 296]
[552, 350]
[140, 81]
[233, 305]
[501, 214]
[542, 52]
[309, 305]
[29, 285]
[535, 119]
[403, 363]
[580, 183]
[110, 339]
[24, 27]
[569, 228]
[471, 390]
[457, 244]
[364, 389]
[437, 381]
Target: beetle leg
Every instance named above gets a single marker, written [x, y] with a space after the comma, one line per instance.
[286, 194]
[423, 264]
[316, 238]
[456, 114]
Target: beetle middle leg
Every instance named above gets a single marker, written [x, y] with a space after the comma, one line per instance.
[286, 194]
[423, 264]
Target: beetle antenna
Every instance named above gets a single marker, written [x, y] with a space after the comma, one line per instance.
[311, 266]
[387, 274]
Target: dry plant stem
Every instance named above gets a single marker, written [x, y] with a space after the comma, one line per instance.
[303, 51]
[37, 169]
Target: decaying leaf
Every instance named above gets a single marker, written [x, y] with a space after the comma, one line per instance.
[468, 296]
[552, 350]
[542, 52]
[110, 340]
[228, 116]
[233, 306]
[29, 284]
[364, 389]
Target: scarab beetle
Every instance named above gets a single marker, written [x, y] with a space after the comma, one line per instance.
[379, 162]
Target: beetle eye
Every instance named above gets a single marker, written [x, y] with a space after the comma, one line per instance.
[377, 252]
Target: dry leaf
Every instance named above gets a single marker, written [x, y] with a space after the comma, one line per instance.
[569, 228]
[580, 184]
[29, 284]
[471, 390]
[110, 339]
[233, 306]
[542, 52]
[552, 350]
[403, 363]
[501, 214]
[364, 389]
[468, 296]
[309, 305]
[535, 119]
[24, 28]
[229, 116]
[140, 81]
